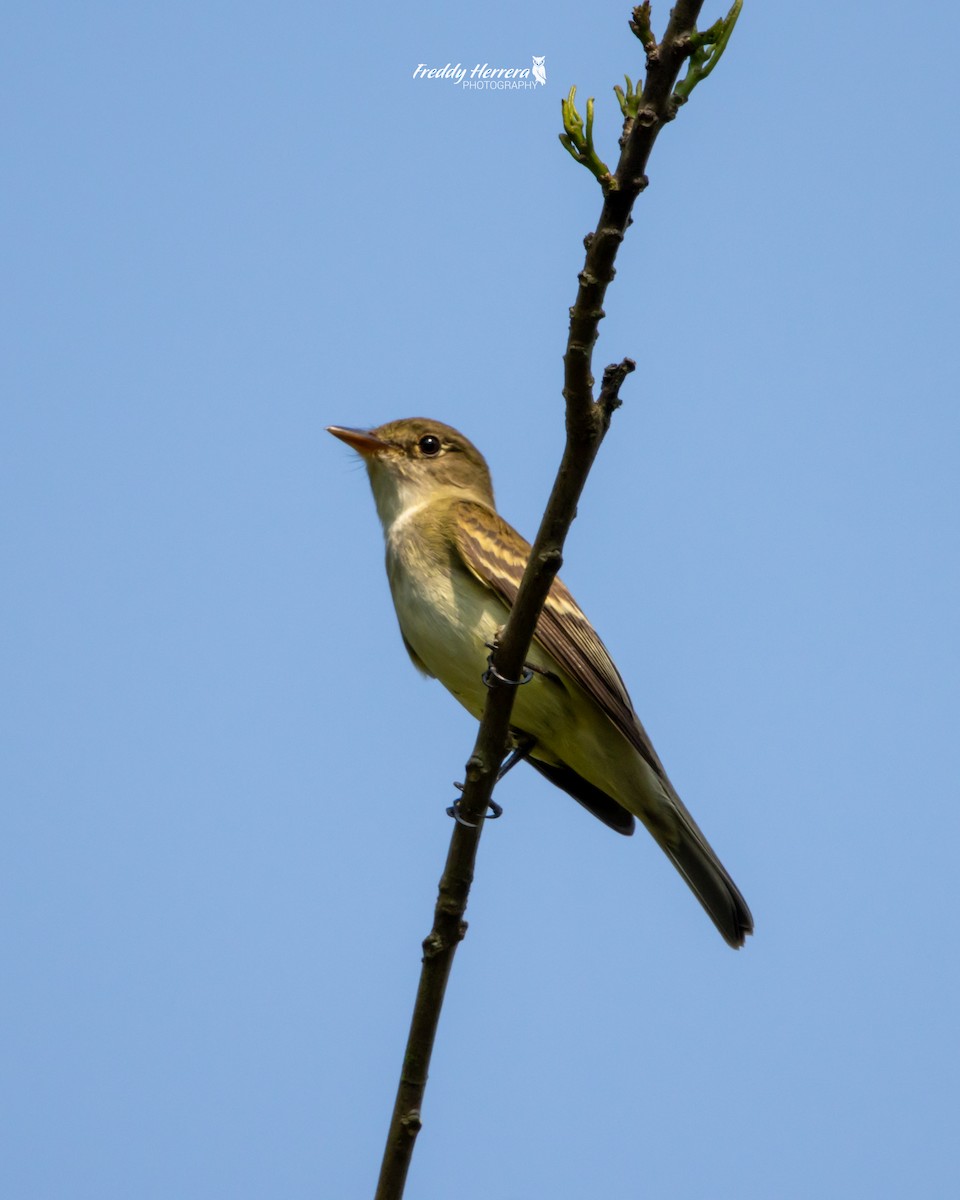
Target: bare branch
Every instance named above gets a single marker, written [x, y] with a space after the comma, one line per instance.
[587, 420]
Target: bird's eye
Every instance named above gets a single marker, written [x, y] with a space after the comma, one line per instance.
[429, 445]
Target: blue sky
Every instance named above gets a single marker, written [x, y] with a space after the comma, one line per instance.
[228, 226]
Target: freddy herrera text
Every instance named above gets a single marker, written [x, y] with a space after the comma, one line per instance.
[459, 73]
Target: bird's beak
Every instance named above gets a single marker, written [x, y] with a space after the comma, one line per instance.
[365, 443]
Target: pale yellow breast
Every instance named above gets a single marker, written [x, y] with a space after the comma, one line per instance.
[447, 617]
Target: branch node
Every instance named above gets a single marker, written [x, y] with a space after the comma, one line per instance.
[685, 45]
[433, 944]
[610, 231]
[410, 1123]
[474, 767]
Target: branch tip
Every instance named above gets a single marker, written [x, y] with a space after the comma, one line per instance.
[640, 26]
[578, 141]
[609, 400]
[629, 98]
[705, 51]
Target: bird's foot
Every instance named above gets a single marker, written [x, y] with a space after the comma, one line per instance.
[523, 744]
[494, 810]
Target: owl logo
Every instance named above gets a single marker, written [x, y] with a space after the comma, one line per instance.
[539, 70]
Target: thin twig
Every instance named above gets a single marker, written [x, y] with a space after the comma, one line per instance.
[587, 421]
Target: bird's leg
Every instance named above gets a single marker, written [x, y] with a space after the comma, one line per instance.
[523, 744]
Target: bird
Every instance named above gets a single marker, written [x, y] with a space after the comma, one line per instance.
[454, 566]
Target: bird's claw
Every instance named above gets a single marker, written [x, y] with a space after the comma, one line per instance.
[494, 810]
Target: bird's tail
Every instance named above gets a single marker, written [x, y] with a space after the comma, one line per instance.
[694, 858]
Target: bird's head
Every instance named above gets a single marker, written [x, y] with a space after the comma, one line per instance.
[415, 460]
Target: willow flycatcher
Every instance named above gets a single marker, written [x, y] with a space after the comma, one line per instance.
[454, 567]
